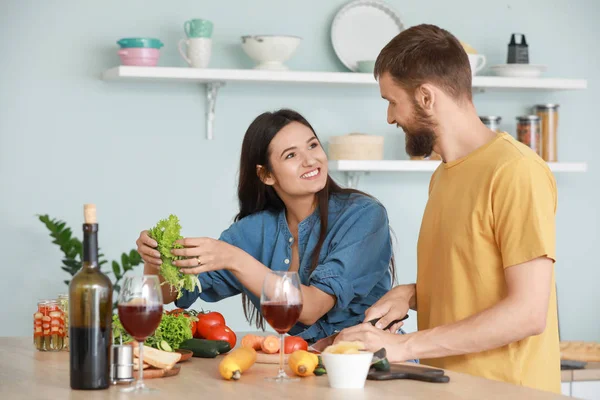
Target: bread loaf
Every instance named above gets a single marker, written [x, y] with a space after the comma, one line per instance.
[580, 351]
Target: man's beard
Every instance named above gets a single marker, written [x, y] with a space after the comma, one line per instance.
[420, 136]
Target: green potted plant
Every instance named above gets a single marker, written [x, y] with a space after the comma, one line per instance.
[71, 247]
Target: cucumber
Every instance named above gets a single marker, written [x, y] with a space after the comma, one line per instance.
[163, 345]
[382, 365]
[206, 348]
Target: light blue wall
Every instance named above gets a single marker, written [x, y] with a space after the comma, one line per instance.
[138, 149]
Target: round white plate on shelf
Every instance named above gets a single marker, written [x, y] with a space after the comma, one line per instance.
[518, 70]
[361, 29]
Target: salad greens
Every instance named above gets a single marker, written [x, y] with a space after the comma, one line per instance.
[173, 329]
[166, 232]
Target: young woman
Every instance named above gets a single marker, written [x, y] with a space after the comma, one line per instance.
[292, 216]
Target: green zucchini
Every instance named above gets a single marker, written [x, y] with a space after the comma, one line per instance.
[206, 348]
[382, 365]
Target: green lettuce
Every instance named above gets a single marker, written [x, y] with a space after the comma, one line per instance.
[173, 329]
[166, 232]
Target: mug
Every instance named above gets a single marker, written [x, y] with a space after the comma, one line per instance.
[198, 28]
[477, 62]
[198, 51]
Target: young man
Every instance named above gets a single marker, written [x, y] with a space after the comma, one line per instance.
[485, 291]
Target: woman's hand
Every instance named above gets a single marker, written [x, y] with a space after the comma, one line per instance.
[146, 246]
[206, 254]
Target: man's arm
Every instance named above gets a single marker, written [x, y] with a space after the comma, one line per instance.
[522, 313]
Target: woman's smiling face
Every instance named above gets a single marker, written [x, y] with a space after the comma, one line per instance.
[298, 162]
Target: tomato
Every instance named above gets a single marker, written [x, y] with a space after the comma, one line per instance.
[222, 332]
[207, 321]
[293, 343]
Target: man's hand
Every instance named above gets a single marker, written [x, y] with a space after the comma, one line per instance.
[374, 339]
[392, 306]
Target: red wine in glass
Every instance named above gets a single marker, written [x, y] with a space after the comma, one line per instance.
[140, 312]
[140, 320]
[281, 304]
[281, 316]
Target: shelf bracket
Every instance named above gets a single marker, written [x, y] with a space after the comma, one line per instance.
[352, 179]
[212, 89]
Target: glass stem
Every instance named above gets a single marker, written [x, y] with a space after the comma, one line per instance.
[140, 382]
[281, 353]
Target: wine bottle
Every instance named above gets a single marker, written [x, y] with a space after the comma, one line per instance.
[90, 314]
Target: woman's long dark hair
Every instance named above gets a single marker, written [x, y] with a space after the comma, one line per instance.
[255, 196]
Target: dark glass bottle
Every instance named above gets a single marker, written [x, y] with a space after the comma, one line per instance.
[90, 315]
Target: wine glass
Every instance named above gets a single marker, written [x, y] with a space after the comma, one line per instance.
[281, 305]
[140, 311]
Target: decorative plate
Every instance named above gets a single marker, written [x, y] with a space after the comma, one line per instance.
[361, 29]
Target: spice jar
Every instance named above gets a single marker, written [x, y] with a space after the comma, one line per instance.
[528, 132]
[48, 326]
[491, 121]
[63, 303]
[548, 114]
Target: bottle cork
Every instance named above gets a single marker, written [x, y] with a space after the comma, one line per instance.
[89, 213]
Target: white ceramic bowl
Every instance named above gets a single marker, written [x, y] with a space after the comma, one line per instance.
[347, 371]
[270, 51]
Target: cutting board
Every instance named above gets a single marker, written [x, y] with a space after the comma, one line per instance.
[414, 372]
[152, 373]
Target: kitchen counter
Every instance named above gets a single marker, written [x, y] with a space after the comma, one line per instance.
[591, 372]
[26, 373]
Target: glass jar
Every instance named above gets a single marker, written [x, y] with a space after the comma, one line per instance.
[491, 121]
[38, 326]
[63, 302]
[548, 114]
[48, 326]
[528, 132]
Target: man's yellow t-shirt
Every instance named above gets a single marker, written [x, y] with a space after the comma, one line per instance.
[487, 211]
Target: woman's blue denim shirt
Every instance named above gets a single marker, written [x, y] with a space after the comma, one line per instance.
[353, 262]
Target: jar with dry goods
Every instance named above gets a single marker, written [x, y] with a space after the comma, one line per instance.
[548, 114]
[491, 121]
[528, 132]
[48, 326]
[63, 302]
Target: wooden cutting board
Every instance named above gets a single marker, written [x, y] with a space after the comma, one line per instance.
[152, 373]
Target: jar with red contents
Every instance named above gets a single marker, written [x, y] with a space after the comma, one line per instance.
[48, 326]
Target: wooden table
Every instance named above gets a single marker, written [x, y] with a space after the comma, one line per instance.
[26, 373]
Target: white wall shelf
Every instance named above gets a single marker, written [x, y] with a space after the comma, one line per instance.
[214, 79]
[353, 169]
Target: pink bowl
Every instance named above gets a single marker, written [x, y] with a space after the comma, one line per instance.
[139, 56]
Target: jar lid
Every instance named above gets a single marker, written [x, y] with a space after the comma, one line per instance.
[549, 106]
[527, 118]
[490, 118]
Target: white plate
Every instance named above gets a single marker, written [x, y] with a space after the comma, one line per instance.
[361, 29]
[518, 70]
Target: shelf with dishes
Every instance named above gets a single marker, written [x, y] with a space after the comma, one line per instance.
[357, 52]
[214, 79]
[353, 169]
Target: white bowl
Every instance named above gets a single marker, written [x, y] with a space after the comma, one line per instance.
[270, 51]
[347, 371]
[518, 70]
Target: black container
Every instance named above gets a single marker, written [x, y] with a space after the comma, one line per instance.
[518, 53]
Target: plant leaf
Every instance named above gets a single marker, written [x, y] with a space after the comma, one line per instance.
[116, 269]
[134, 258]
[125, 261]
